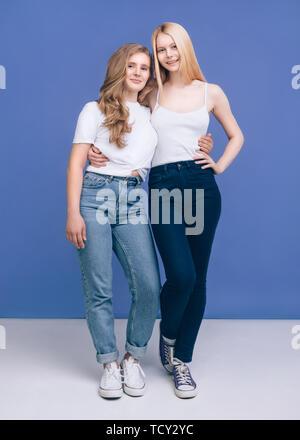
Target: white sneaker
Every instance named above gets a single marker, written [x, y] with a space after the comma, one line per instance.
[111, 382]
[134, 383]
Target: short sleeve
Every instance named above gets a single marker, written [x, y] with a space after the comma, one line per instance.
[148, 112]
[143, 173]
[87, 124]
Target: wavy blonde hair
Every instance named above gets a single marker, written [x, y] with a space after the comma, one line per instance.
[111, 101]
[189, 66]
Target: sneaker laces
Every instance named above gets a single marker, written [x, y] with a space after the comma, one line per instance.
[130, 371]
[115, 372]
[182, 372]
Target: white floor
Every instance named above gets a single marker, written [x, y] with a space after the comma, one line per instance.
[245, 369]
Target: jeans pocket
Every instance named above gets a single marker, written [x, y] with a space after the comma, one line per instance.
[198, 172]
[93, 181]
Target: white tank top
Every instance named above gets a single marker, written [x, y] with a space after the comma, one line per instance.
[178, 133]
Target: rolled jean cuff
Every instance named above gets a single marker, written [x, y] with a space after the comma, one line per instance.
[137, 352]
[107, 357]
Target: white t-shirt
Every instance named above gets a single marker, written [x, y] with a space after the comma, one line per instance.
[141, 141]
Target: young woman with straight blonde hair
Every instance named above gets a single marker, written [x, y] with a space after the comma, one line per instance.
[181, 109]
[119, 122]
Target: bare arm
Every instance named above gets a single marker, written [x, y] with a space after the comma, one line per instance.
[222, 112]
[75, 228]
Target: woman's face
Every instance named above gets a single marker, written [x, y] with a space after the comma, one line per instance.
[137, 72]
[167, 52]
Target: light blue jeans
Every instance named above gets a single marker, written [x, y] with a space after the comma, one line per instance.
[111, 198]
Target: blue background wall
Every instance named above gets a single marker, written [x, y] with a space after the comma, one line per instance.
[54, 53]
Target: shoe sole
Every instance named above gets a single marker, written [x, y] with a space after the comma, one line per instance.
[110, 394]
[186, 394]
[134, 392]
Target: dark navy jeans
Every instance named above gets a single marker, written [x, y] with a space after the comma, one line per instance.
[185, 257]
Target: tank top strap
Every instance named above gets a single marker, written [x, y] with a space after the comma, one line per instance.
[205, 93]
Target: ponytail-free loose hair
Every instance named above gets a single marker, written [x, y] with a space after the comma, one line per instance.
[189, 66]
[111, 102]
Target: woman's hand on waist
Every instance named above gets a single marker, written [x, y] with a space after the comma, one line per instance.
[96, 158]
[210, 163]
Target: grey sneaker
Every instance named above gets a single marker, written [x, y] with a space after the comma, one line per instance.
[185, 386]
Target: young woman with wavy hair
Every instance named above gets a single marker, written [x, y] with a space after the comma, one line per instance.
[120, 123]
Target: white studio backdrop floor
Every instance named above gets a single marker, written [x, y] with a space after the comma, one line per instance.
[245, 369]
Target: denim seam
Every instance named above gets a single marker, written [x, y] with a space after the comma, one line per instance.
[131, 274]
[87, 297]
[84, 279]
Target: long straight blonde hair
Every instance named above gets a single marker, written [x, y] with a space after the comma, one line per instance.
[111, 101]
[189, 66]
